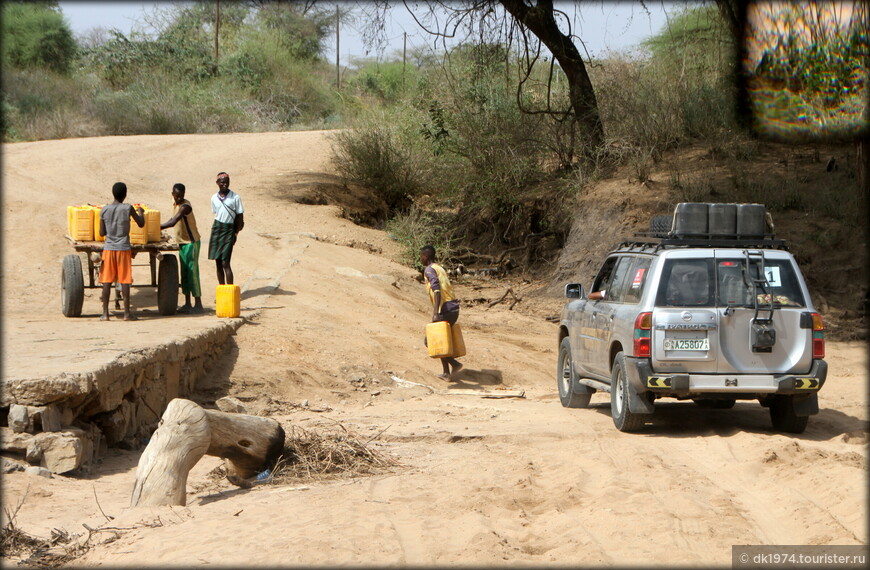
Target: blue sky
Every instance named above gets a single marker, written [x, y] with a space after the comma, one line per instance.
[602, 25]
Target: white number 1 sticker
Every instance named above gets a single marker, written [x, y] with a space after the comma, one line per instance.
[773, 276]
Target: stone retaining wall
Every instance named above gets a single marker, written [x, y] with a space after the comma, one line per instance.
[65, 422]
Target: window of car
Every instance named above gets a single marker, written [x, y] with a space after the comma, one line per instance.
[781, 283]
[613, 277]
[605, 275]
[636, 280]
[687, 283]
[722, 282]
[616, 292]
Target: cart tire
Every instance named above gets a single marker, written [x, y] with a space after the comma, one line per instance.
[167, 285]
[72, 286]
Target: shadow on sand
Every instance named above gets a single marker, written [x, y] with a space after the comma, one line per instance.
[470, 378]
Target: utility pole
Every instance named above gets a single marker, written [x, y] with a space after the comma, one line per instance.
[217, 29]
[404, 57]
[337, 67]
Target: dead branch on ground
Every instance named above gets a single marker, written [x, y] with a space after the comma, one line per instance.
[510, 292]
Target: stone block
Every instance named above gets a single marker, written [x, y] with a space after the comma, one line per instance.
[39, 471]
[61, 451]
[33, 453]
[14, 441]
[72, 388]
[19, 418]
[66, 416]
[116, 424]
[231, 405]
[9, 466]
[50, 417]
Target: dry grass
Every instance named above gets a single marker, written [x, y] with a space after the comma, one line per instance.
[15, 542]
[330, 453]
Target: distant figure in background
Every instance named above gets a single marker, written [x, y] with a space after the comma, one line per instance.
[444, 303]
[117, 263]
[229, 219]
[187, 237]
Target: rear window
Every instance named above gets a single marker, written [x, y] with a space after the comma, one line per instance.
[687, 283]
[723, 282]
[780, 283]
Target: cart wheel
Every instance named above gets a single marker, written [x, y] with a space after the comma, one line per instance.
[167, 285]
[72, 286]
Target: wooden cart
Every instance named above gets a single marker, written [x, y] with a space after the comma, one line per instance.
[164, 274]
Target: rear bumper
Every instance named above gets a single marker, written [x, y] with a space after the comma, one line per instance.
[643, 379]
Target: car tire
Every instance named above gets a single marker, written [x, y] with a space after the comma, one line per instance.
[783, 417]
[714, 404]
[661, 225]
[623, 418]
[566, 379]
[72, 286]
[167, 285]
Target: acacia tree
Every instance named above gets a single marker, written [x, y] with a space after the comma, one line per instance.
[525, 24]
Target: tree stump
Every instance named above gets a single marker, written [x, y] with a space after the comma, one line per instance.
[181, 439]
[187, 432]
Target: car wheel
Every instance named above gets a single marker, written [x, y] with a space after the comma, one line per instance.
[565, 379]
[623, 418]
[714, 404]
[783, 417]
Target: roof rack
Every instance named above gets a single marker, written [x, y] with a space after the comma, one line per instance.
[655, 242]
[708, 225]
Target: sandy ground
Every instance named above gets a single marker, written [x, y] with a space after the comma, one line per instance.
[482, 481]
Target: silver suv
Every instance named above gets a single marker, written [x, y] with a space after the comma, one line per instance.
[707, 306]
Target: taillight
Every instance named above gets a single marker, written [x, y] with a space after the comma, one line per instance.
[642, 330]
[818, 336]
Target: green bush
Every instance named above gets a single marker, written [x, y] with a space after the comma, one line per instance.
[372, 154]
[41, 104]
[35, 34]
[387, 81]
[122, 61]
[418, 227]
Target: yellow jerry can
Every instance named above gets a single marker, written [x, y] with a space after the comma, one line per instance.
[97, 210]
[138, 236]
[80, 220]
[458, 341]
[152, 224]
[439, 340]
[228, 301]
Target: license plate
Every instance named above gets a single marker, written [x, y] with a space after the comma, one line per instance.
[687, 344]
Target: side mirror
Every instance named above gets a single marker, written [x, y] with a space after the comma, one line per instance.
[574, 291]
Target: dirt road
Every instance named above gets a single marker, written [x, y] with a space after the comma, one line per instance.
[481, 481]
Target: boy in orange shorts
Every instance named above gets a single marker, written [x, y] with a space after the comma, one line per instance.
[117, 265]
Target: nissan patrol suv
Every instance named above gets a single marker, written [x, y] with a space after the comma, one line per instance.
[707, 306]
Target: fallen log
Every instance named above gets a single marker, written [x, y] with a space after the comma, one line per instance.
[248, 443]
[187, 432]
